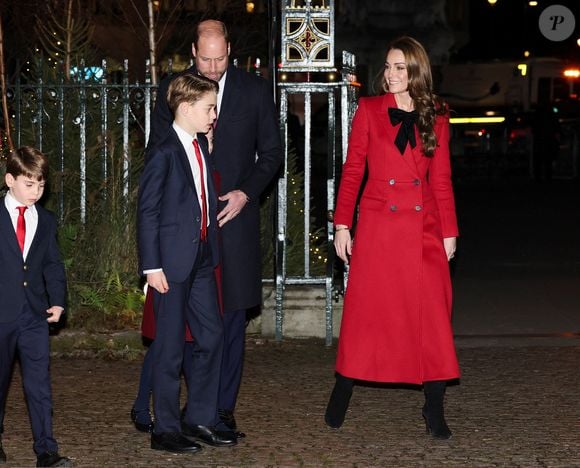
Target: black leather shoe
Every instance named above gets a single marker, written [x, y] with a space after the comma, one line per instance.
[228, 419]
[140, 426]
[209, 435]
[2, 454]
[52, 459]
[173, 442]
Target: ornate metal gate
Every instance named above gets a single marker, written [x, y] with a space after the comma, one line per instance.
[88, 124]
[307, 72]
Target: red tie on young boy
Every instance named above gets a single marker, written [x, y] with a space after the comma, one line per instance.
[21, 227]
[203, 202]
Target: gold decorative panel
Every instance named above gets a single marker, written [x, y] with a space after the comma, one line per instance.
[307, 35]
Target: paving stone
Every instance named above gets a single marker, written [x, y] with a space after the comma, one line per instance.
[514, 407]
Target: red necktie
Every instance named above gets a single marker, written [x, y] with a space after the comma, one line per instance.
[21, 227]
[203, 202]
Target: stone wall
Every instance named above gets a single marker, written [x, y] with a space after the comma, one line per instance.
[304, 313]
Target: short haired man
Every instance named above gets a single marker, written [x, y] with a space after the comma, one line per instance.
[247, 153]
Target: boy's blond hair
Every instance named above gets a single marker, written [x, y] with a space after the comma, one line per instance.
[189, 88]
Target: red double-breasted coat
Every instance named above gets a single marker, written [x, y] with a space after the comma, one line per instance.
[396, 323]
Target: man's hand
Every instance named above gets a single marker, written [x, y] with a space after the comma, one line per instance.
[158, 281]
[54, 314]
[236, 201]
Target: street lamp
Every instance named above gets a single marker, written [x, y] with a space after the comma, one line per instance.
[492, 2]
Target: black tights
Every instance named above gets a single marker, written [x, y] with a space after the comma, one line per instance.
[339, 400]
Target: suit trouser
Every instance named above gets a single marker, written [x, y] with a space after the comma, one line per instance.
[193, 302]
[27, 336]
[146, 379]
[145, 382]
[233, 358]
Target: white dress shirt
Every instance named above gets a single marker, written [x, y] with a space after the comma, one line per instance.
[30, 218]
[187, 142]
[221, 83]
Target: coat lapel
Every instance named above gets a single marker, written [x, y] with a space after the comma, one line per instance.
[231, 94]
[209, 170]
[43, 218]
[386, 102]
[39, 228]
[182, 158]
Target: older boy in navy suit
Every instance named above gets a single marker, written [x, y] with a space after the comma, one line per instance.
[178, 249]
[32, 294]
[247, 154]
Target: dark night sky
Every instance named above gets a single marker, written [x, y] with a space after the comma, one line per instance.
[508, 28]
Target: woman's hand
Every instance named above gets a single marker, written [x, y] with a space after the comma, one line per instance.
[450, 244]
[343, 243]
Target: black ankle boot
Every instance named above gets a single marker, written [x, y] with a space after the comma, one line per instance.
[433, 409]
[339, 400]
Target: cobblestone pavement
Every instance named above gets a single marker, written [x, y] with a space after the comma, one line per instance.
[515, 406]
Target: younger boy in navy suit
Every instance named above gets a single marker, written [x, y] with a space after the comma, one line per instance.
[32, 295]
[178, 251]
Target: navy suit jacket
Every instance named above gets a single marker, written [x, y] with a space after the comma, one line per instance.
[169, 215]
[41, 280]
[247, 127]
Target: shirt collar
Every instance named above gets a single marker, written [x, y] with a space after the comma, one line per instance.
[185, 137]
[222, 80]
[221, 85]
[12, 204]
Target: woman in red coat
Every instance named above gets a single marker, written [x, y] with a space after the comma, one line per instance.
[396, 324]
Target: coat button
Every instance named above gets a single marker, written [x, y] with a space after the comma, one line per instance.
[393, 207]
[417, 207]
[417, 182]
[198, 219]
[25, 284]
[391, 181]
[25, 267]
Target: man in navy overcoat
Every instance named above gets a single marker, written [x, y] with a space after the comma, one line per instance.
[247, 154]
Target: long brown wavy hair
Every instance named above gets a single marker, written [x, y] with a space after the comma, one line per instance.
[427, 104]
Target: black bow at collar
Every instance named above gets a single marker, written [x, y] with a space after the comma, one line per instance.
[406, 132]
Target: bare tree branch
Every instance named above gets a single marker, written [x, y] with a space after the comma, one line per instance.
[152, 43]
[139, 13]
[3, 86]
[69, 27]
[61, 34]
[168, 20]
